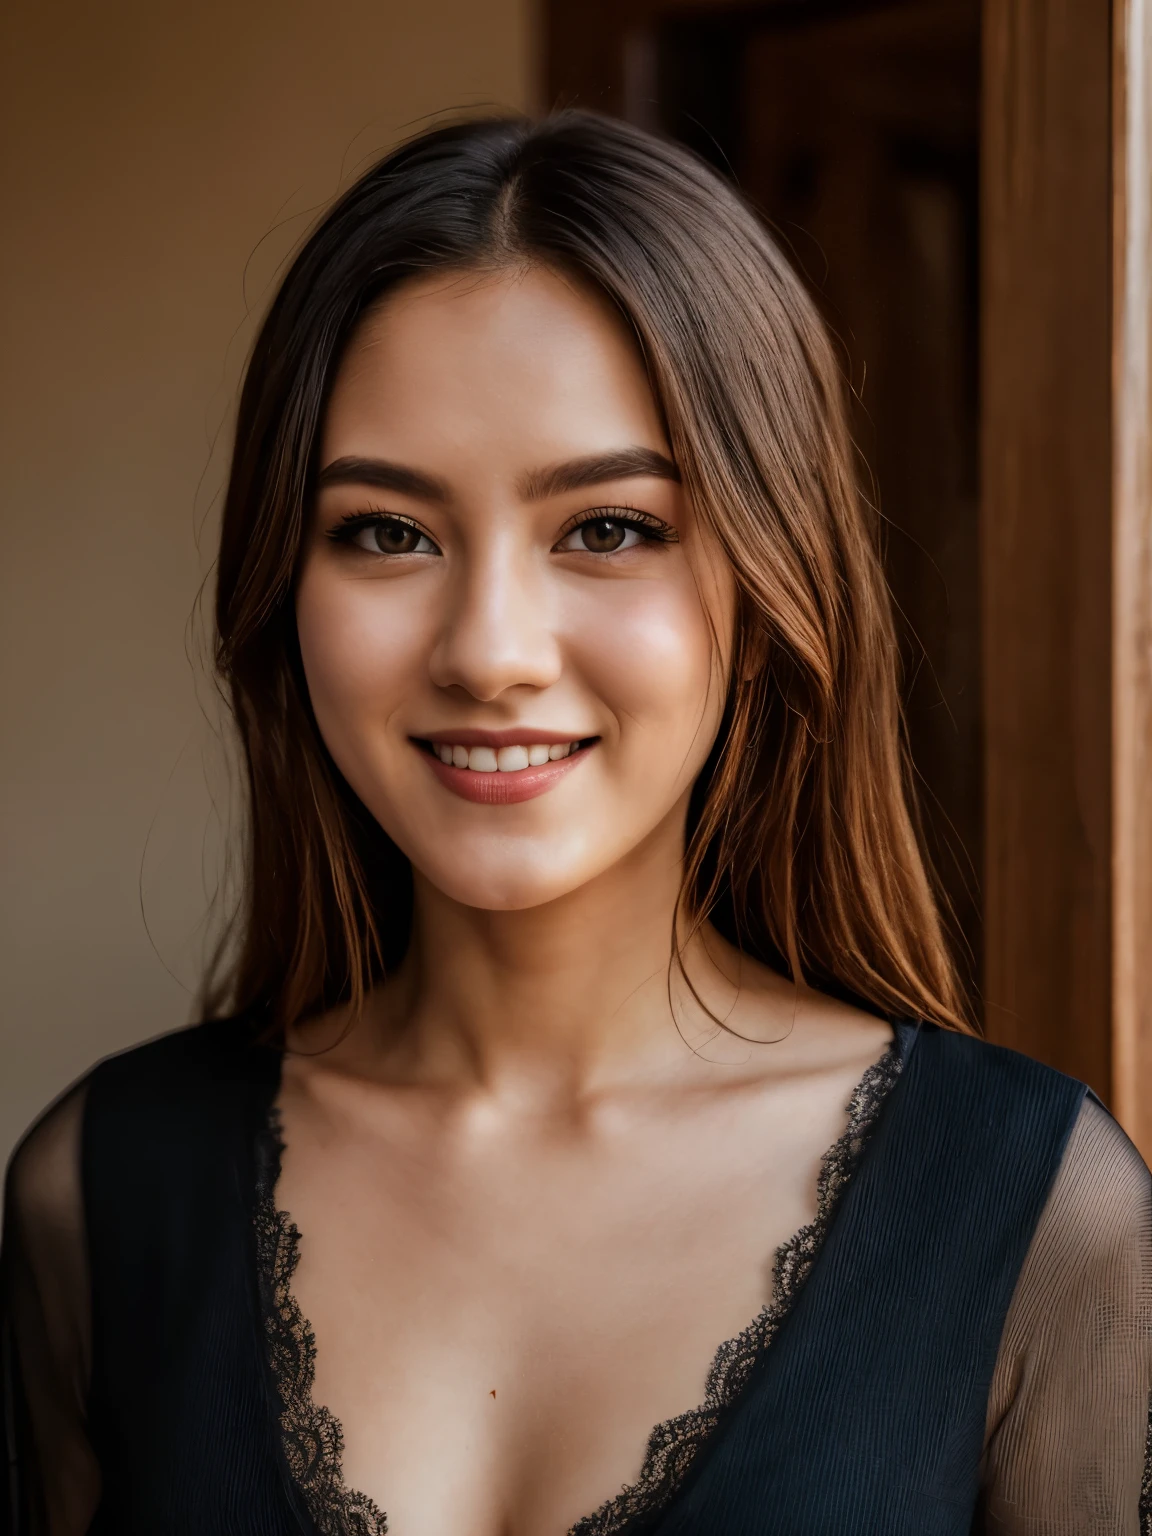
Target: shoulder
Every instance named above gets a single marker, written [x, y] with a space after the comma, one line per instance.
[215, 1048]
[135, 1117]
[1099, 1214]
[50, 1147]
[1100, 1196]
[174, 1091]
[985, 1127]
[968, 1065]
[1088, 1273]
[43, 1178]
[168, 1141]
[195, 1070]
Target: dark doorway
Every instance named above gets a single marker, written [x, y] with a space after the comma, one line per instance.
[855, 130]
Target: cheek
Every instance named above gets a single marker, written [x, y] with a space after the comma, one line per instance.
[361, 648]
[649, 653]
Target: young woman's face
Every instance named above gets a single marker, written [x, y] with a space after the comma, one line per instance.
[505, 600]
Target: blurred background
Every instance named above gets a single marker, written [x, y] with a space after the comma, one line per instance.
[963, 186]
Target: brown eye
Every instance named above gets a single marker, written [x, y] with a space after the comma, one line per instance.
[609, 535]
[390, 536]
[602, 536]
[394, 538]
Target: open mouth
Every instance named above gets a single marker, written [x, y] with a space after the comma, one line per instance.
[503, 775]
[504, 759]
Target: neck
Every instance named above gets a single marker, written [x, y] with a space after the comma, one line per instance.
[574, 992]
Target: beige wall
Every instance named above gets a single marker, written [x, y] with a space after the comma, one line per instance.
[152, 154]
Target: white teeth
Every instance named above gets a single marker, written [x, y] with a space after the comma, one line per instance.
[504, 760]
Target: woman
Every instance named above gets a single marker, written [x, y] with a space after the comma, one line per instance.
[583, 897]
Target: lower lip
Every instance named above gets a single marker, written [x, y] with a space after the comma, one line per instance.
[504, 788]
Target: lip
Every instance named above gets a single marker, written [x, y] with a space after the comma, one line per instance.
[502, 788]
[514, 736]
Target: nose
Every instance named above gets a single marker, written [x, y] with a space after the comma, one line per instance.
[498, 631]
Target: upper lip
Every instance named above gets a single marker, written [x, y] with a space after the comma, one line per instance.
[513, 736]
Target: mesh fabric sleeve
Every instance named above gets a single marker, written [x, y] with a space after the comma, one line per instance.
[52, 1484]
[1067, 1439]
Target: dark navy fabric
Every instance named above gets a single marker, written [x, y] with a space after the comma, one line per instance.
[183, 1416]
[865, 1417]
[868, 1414]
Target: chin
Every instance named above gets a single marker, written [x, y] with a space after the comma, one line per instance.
[504, 891]
[505, 884]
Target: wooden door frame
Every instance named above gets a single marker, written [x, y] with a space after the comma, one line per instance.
[1046, 550]
[1132, 570]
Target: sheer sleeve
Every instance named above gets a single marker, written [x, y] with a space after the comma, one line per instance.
[1068, 1422]
[51, 1474]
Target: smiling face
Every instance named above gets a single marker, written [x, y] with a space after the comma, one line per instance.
[515, 634]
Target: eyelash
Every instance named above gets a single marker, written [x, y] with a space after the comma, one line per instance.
[353, 523]
[652, 528]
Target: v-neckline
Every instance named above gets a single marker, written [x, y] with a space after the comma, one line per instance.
[312, 1437]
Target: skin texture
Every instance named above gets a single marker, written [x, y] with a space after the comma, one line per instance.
[499, 630]
[536, 1185]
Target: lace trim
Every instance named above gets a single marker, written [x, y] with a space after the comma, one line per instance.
[312, 1436]
[675, 1444]
[1146, 1480]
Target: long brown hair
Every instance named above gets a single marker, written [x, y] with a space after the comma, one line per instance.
[803, 842]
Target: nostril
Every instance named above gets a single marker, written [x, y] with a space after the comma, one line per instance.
[492, 644]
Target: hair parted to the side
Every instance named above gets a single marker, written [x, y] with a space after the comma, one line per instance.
[803, 848]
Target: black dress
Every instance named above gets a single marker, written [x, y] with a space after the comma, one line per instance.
[961, 1341]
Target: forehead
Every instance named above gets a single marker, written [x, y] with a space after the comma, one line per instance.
[519, 366]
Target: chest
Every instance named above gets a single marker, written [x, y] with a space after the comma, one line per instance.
[858, 1409]
[539, 1300]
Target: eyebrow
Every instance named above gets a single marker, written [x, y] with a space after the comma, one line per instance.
[383, 476]
[594, 469]
[571, 475]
